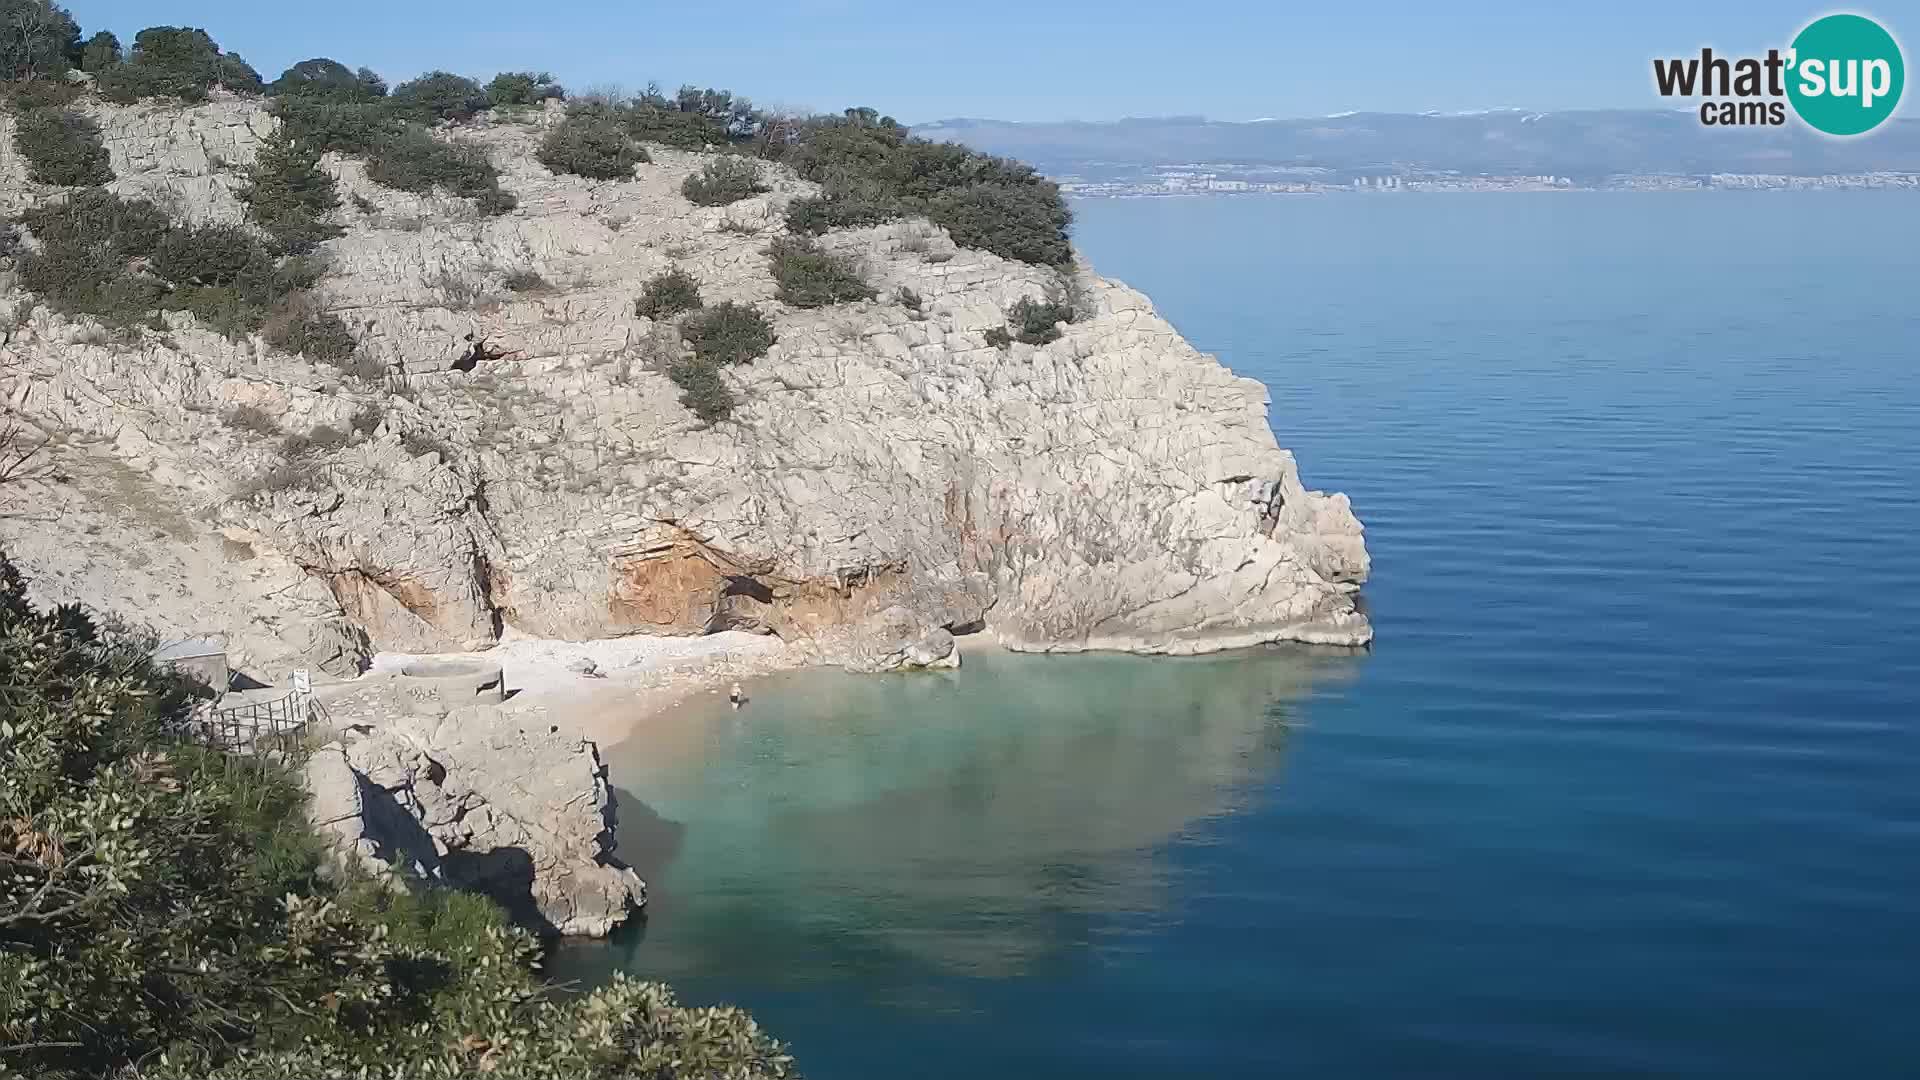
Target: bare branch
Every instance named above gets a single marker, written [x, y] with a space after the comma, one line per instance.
[20, 447]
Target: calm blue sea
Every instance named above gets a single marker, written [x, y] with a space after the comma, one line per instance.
[1629, 785]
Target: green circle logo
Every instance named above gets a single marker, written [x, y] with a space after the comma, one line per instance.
[1846, 74]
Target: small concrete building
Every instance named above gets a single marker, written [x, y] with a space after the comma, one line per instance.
[204, 659]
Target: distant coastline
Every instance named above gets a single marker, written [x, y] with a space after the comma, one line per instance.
[1491, 150]
[1196, 181]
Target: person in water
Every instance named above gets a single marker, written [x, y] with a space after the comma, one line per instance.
[737, 696]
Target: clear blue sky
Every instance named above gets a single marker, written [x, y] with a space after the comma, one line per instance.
[1028, 59]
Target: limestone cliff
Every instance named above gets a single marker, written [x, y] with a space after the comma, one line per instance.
[1113, 490]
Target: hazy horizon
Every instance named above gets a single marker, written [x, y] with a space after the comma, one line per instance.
[1070, 61]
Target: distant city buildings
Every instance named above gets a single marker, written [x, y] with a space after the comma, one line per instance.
[1233, 179]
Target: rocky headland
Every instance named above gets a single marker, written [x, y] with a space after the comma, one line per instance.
[507, 453]
[1114, 489]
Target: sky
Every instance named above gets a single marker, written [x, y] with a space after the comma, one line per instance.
[1031, 60]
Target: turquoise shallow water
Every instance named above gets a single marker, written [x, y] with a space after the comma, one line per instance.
[1627, 786]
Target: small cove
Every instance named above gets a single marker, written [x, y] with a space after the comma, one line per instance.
[1624, 788]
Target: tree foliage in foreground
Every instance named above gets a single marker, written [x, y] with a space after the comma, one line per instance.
[163, 914]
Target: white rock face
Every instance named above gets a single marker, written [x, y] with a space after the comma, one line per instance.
[478, 800]
[1113, 490]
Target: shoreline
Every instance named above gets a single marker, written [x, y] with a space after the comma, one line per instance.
[635, 678]
[639, 678]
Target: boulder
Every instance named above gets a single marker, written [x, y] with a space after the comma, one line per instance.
[895, 639]
[480, 800]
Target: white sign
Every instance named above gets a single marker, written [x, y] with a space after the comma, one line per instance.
[302, 682]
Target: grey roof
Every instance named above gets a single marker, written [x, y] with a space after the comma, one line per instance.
[191, 648]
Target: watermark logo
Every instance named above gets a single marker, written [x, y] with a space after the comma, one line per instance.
[1842, 75]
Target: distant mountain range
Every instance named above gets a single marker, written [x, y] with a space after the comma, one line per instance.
[1582, 145]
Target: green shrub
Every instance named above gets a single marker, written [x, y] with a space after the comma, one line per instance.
[437, 96]
[30, 94]
[365, 368]
[669, 127]
[693, 119]
[176, 62]
[101, 52]
[870, 171]
[727, 333]
[414, 160]
[522, 88]
[321, 79]
[225, 309]
[299, 273]
[1028, 222]
[131, 228]
[371, 80]
[289, 196]
[251, 419]
[1037, 322]
[724, 180]
[38, 40]
[82, 265]
[702, 390]
[367, 420]
[668, 294]
[62, 148]
[301, 328]
[212, 255]
[88, 262]
[321, 439]
[829, 149]
[227, 279]
[289, 474]
[593, 144]
[816, 214]
[810, 277]
[527, 281]
[342, 126]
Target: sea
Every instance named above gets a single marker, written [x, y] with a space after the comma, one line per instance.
[1628, 786]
